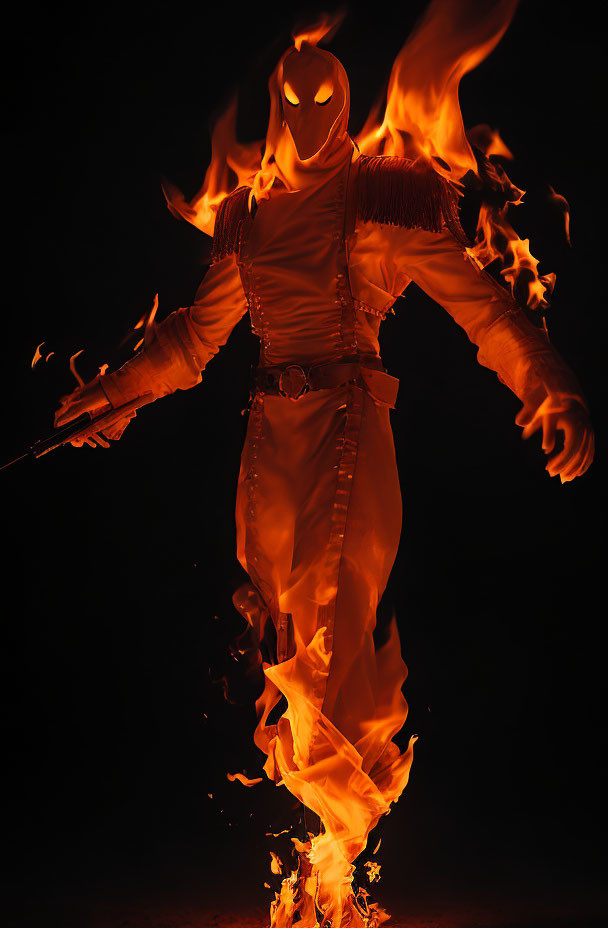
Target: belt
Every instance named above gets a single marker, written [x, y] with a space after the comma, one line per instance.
[295, 380]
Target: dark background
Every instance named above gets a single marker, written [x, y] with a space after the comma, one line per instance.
[117, 562]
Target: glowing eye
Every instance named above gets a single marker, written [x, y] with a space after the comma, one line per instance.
[324, 94]
[290, 94]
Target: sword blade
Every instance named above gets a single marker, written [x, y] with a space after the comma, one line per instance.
[16, 460]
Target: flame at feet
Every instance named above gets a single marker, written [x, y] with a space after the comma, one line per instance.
[321, 891]
[348, 784]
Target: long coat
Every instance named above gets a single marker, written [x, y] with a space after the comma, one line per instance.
[318, 505]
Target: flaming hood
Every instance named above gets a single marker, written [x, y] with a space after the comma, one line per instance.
[308, 126]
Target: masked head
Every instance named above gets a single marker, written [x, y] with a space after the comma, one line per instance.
[307, 138]
[314, 95]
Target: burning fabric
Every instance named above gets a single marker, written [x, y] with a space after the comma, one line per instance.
[317, 241]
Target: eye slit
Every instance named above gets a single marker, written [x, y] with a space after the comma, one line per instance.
[324, 94]
[290, 94]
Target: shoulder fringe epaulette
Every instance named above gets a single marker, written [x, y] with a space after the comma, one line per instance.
[233, 211]
[398, 192]
[391, 191]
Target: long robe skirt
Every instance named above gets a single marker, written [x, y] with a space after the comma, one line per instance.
[318, 524]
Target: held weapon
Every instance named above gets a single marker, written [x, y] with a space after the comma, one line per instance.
[81, 429]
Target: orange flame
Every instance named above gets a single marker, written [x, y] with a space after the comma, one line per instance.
[151, 316]
[233, 777]
[489, 141]
[561, 204]
[231, 165]
[422, 118]
[73, 367]
[324, 28]
[37, 355]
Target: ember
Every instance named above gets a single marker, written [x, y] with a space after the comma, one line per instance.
[37, 355]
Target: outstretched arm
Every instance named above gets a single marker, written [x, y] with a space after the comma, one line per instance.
[508, 343]
[176, 350]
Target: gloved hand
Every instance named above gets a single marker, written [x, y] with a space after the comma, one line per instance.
[90, 398]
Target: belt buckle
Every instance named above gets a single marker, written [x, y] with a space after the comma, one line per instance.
[293, 382]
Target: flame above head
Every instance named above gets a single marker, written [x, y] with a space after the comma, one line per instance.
[422, 118]
[323, 29]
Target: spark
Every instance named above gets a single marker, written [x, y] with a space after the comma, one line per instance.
[37, 355]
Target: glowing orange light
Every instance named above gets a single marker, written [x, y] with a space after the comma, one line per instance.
[37, 355]
[290, 94]
[73, 367]
[241, 778]
[324, 93]
[323, 29]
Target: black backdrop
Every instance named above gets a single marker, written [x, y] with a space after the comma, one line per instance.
[116, 562]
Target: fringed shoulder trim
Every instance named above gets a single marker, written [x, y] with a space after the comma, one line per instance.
[233, 211]
[398, 192]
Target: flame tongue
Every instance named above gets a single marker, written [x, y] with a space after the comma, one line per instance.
[349, 786]
[422, 117]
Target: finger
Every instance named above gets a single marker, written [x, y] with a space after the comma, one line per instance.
[115, 431]
[63, 416]
[70, 397]
[571, 469]
[96, 436]
[67, 413]
[583, 460]
[573, 438]
[589, 458]
[549, 429]
[76, 408]
[532, 427]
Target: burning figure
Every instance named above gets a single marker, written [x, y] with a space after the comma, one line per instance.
[317, 241]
